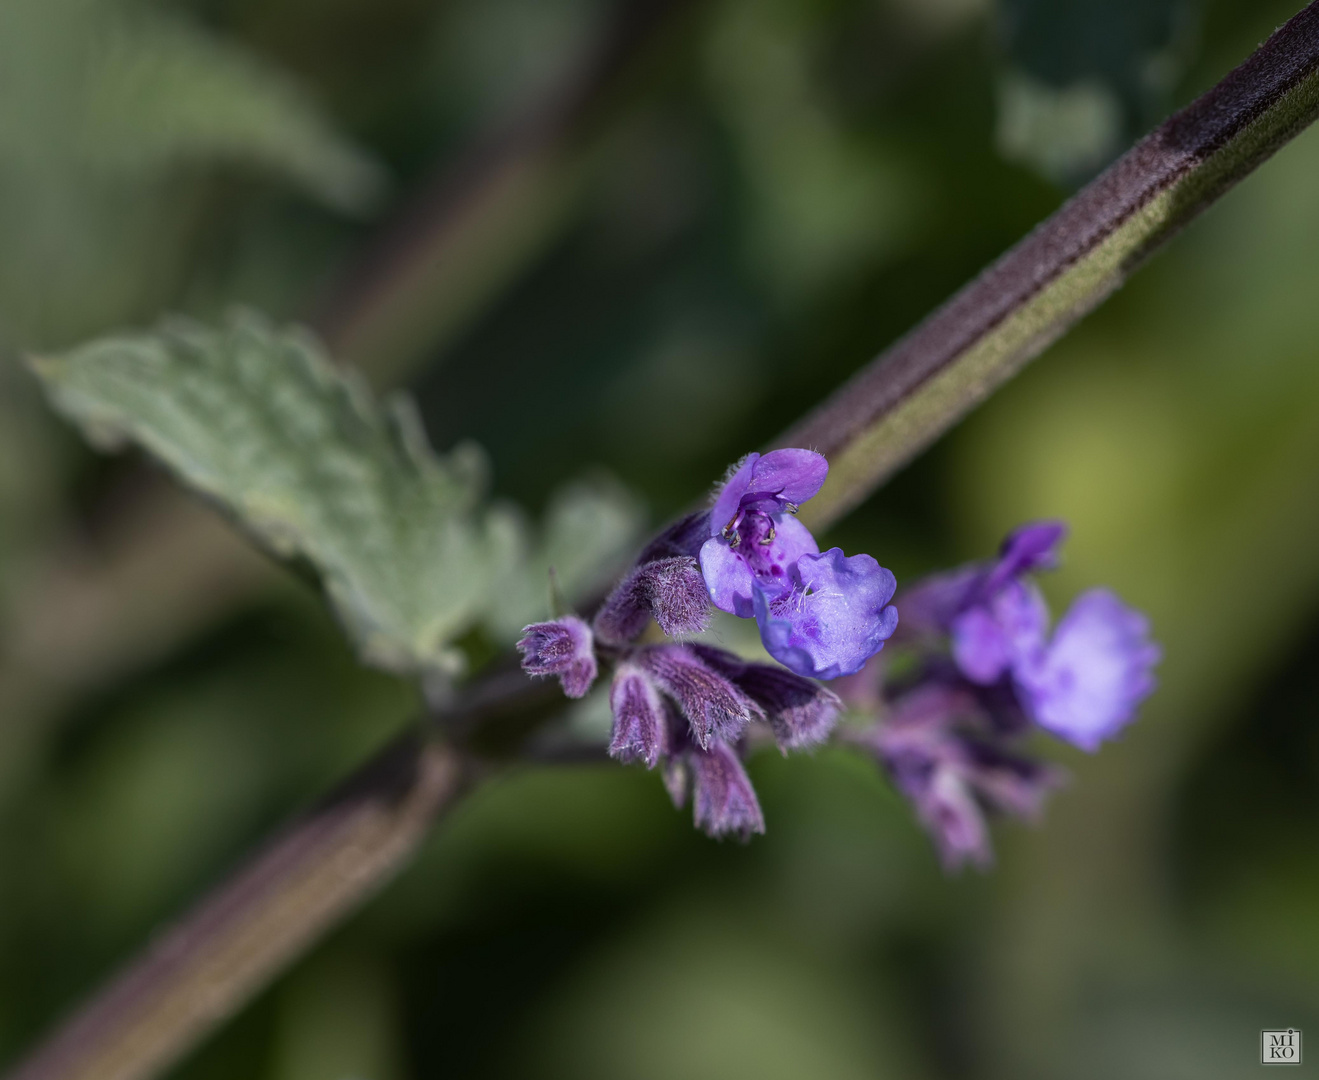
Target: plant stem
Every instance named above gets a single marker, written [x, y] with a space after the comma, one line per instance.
[299, 886]
[237, 939]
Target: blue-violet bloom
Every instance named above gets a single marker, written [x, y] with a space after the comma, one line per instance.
[1085, 683]
[1085, 686]
[820, 615]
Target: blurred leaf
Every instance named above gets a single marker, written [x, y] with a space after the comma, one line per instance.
[589, 526]
[1087, 77]
[133, 94]
[107, 109]
[824, 197]
[1061, 133]
[259, 421]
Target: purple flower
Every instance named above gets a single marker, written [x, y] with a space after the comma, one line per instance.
[1004, 631]
[934, 605]
[834, 618]
[1085, 685]
[983, 673]
[819, 615]
[563, 647]
[943, 751]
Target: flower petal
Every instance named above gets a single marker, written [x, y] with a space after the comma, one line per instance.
[1030, 547]
[835, 618]
[728, 577]
[988, 640]
[791, 475]
[731, 574]
[730, 494]
[1086, 685]
[980, 647]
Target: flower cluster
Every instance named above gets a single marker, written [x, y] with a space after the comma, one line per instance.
[987, 674]
[687, 707]
[985, 670]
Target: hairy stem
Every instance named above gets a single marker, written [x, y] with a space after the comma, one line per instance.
[908, 396]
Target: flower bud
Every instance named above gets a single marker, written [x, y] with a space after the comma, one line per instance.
[670, 590]
[724, 803]
[562, 647]
[802, 713]
[714, 707]
[640, 730]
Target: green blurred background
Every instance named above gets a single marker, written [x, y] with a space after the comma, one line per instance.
[706, 216]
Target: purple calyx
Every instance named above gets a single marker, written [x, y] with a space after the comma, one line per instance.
[562, 647]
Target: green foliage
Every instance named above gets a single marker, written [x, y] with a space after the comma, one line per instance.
[108, 108]
[132, 92]
[260, 422]
[587, 526]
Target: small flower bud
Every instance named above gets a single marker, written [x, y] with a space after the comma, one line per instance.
[950, 813]
[944, 753]
[670, 590]
[563, 647]
[715, 708]
[640, 724]
[802, 713]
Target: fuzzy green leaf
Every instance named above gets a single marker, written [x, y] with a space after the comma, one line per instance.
[298, 452]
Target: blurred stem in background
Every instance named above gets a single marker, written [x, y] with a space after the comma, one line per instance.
[474, 225]
[887, 413]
